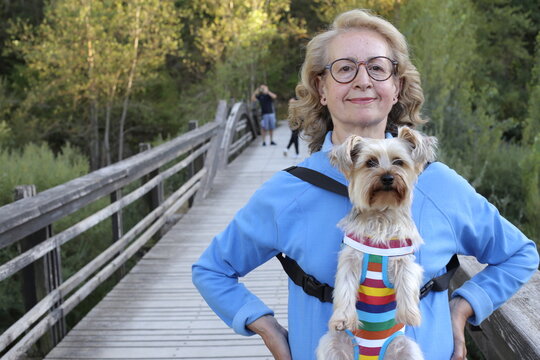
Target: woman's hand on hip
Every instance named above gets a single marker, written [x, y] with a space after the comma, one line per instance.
[274, 335]
[460, 311]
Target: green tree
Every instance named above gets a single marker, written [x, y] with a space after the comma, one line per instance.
[328, 9]
[29, 10]
[235, 44]
[93, 56]
[505, 63]
[532, 129]
[530, 165]
[444, 38]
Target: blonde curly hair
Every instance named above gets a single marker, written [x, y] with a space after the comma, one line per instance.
[309, 115]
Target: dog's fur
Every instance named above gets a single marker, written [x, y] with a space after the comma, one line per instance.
[381, 210]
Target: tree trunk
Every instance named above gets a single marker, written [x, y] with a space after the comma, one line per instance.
[107, 130]
[94, 136]
[106, 138]
[93, 106]
[129, 83]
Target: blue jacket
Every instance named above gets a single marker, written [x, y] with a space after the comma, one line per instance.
[300, 220]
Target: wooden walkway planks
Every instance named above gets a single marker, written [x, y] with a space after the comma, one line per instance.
[155, 312]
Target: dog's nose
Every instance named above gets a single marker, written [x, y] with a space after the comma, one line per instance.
[387, 179]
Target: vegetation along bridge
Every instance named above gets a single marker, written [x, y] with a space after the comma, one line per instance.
[192, 186]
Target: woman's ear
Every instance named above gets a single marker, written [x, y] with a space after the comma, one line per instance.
[322, 90]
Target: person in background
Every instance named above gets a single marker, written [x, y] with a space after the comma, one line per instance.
[357, 78]
[294, 137]
[268, 123]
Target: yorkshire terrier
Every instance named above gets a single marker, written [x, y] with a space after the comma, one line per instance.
[377, 284]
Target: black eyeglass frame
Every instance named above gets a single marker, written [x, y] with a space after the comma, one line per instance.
[358, 63]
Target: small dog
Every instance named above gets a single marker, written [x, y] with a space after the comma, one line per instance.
[377, 281]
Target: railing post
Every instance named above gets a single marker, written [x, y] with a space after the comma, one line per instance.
[230, 127]
[41, 277]
[155, 196]
[211, 161]
[117, 223]
[116, 218]
[196, 164]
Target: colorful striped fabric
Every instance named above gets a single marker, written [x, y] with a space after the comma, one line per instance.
[376, 305]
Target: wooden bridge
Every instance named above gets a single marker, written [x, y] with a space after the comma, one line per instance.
[154, 312]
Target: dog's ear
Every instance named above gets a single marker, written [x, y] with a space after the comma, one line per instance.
[344, 156]
[424, 148]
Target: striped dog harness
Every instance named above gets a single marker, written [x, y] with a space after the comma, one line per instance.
[376, 305]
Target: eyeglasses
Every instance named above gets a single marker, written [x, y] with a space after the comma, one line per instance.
[379, 68]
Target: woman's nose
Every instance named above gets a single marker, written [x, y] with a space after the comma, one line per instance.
[362, 78]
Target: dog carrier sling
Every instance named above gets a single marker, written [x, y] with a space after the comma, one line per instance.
[323, 292]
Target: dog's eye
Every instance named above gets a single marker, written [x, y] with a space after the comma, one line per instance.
[397, 162]
[372, 163]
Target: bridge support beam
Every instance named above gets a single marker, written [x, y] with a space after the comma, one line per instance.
[41, 277]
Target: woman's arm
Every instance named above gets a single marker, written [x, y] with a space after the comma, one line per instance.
[248, 241]
[460, 311]
[480, 231]
[239, 249]
[274, 336]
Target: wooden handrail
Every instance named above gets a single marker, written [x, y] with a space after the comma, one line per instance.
[513, 330]
[24, 217]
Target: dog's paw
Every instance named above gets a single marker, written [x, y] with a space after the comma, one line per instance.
[337, 323]
[342, 320]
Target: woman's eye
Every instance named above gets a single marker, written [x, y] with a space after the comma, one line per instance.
[346, 69]
[372, 163]
[378, 68]
[397, 162]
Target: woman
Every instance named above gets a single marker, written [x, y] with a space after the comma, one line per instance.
[357, 79]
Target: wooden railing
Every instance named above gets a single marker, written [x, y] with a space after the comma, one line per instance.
[28, 221]
[513, 331]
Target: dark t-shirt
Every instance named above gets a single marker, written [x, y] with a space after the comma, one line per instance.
[266, 102]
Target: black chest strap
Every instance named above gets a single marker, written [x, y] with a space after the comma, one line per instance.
[323, 292]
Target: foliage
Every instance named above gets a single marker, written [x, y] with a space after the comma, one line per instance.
[85, 60]
[530, 173]
[447, 42]
[504, 58]
[530, 164]
[37, 164]
[235, 44]
[532, 129]
[5, 107]
[328, 9]
[442, 42]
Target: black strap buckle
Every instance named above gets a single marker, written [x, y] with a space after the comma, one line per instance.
[426, 288]
[310, 285]
[313, 287]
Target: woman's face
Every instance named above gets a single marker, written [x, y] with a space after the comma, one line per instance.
[362, 106]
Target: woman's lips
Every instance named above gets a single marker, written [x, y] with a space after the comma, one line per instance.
[362, 100]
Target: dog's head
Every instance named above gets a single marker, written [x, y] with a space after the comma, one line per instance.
[382, 172]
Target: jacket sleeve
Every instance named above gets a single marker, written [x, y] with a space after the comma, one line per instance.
[247, 242]
[482, 232]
